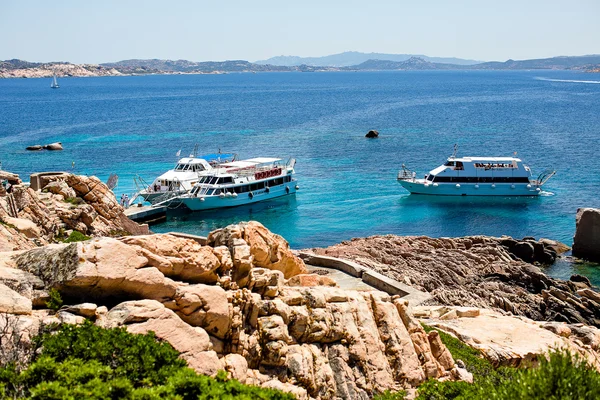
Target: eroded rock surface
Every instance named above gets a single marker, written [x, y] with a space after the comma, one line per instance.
[229, 306]
[475, 271]
[510, 341]
[30, 218]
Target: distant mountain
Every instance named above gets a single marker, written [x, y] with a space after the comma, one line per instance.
[24, 69]
[351, 58]
[413, 63]
[192, 66]
[563, 62]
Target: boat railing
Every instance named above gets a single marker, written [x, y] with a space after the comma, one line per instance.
[406, 174]
[249, 171]
[543, 177]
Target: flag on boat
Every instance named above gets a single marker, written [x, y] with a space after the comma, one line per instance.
[178, 153]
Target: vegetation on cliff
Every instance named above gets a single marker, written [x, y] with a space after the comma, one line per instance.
[87, 361]
[560, 376]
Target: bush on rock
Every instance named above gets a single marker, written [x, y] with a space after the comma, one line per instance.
[87, 361]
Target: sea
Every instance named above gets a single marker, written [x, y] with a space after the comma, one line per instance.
[135, 126]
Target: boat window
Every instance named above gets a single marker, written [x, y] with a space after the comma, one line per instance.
[449, 164]
[227, 179]
[179, 167]
[459, 165]
[430, 177]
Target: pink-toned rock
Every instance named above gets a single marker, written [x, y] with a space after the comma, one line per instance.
[310, 280]
[143, 316]
[204, 306]
[236, 366]
[272, 251]
[180, 258]
[12, 302]
[507, 340]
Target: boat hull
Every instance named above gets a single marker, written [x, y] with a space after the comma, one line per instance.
[213, 202]
[470, 189]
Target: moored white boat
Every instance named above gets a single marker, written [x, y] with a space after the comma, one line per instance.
[240, 182]
[182, 178]
[477, 176]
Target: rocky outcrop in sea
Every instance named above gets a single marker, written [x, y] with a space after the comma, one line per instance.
[478, 271]
[586, 243]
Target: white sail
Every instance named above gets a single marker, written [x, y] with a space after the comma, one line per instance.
[54, 84]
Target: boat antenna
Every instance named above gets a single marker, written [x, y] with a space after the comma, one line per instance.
[455, 150]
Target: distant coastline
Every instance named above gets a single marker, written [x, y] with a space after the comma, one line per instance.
[24, 69]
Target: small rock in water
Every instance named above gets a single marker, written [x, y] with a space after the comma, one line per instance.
[34, 148]
[372, 134]
[580, 278]
[54, 146]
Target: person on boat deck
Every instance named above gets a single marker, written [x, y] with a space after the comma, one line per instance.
[123, 200]
[126, 201]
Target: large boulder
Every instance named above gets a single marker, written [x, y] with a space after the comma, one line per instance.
[145, 316]
[250, 242]
[372, 134]
[586, 243]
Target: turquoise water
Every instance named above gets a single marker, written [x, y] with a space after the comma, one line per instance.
[130, 125]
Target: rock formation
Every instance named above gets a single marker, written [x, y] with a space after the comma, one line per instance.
[29, 218]
[586, 243]
[509, 341]
[476, 271]
[372, 134]
[228, 305]
[53, 146]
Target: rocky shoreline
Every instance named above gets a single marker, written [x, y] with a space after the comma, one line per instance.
[242, 302]
[478, 271]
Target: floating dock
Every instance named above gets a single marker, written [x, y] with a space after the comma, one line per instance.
[147, 214]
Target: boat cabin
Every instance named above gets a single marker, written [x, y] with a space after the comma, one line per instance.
[481, 169]
[246, 176]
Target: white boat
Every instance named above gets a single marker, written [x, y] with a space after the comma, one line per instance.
[240, 182]
[476, 176]
[181, 179]
[54, 84]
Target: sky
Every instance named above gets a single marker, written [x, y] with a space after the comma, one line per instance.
[107, 31]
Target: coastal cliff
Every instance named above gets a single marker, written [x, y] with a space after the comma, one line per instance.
[228, 306]
[478, 271]
[241, 300]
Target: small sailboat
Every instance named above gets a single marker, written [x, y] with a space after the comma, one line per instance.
[54, 84]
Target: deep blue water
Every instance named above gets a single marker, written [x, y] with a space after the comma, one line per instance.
[135, 125]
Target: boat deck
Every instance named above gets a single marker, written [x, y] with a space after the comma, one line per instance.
[147, 214]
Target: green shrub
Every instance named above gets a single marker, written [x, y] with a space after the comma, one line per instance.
[561, 376]
[76, 236]
[74, 200]
[389, 395]
[55, 302]
[86, 361]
